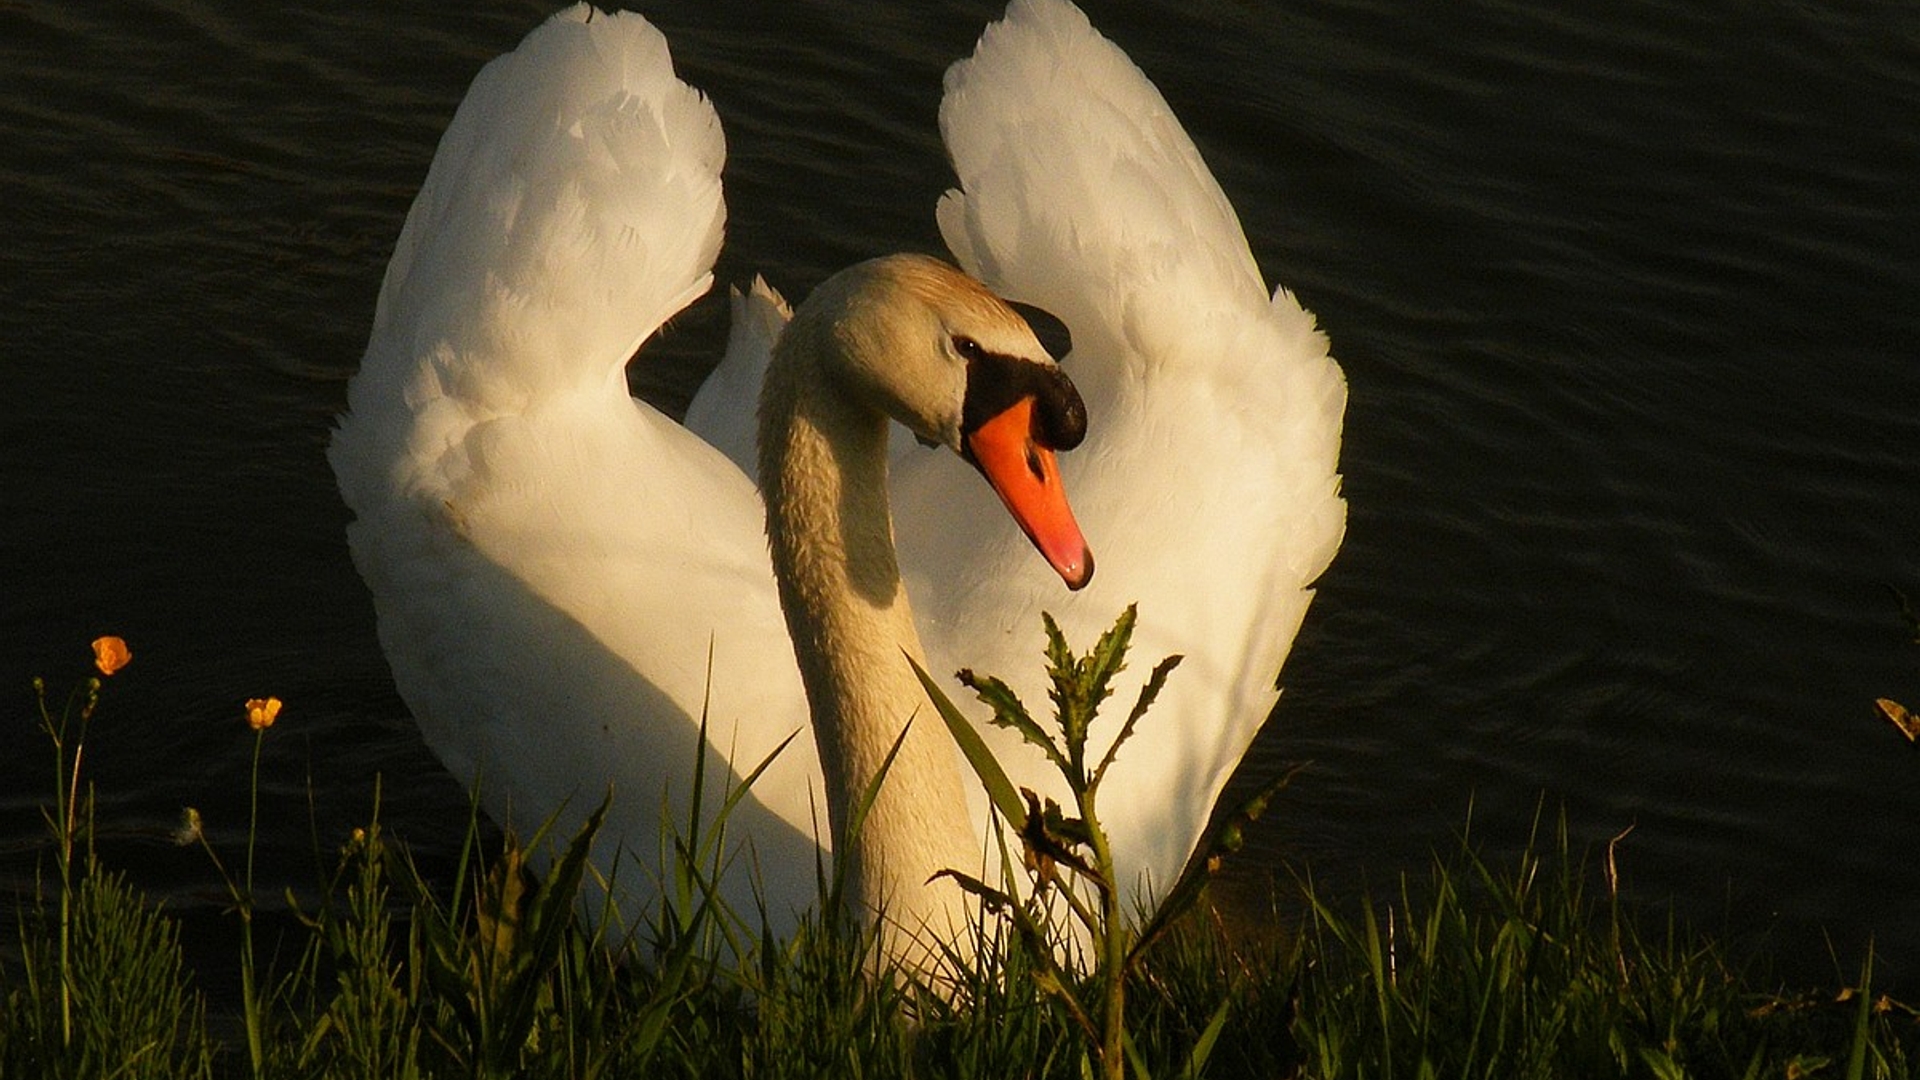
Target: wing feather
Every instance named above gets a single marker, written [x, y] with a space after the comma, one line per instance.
[528, 529]
[1207, 485]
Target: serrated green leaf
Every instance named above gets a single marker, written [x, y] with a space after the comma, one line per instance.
[1148, 693]
[1081, 684]
[1058, 654]
[1109, 657]
[1008, 710]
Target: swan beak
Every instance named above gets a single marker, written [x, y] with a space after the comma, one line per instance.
[1024, 474]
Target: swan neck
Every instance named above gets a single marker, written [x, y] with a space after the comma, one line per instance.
[823, 465]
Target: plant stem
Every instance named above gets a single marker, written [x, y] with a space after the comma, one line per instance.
[65, 824]
[250, 1001]
[66, 897]
[1112, 933]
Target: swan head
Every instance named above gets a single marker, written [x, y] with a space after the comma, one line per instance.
[936, 350]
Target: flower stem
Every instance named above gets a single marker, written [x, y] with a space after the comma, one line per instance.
[250, 1001]
[66, 893]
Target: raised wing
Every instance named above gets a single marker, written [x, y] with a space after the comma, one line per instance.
[527, 529]
[725, 411]
[1207, 485]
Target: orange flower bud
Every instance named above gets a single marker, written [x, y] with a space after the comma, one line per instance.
[110, 654]
[261, 712]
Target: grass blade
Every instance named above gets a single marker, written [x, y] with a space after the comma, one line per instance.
[1006, 800]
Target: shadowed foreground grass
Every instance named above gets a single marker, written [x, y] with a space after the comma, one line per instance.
[1531, 970]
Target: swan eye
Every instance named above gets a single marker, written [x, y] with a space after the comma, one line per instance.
[969, 349]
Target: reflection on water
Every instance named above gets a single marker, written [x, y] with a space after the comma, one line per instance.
[1624, 301]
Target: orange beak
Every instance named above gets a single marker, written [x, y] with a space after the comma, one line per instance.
[1027, 479]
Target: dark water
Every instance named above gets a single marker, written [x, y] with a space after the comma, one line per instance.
[1627, 302]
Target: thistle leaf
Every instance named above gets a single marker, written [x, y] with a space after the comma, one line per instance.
[1063, 678]
[1008, 710]
[1109, 656]
[1147, 695]
[1050, 838]
[1058, 654]
[1082, 684]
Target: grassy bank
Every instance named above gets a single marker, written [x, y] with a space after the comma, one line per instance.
[1536, 969]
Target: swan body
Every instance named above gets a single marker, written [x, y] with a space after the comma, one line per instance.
[567, 582]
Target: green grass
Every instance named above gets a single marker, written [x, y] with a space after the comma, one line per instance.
[1474, 971]
[1535, 969]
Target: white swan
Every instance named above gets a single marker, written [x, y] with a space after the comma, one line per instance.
[567, 581]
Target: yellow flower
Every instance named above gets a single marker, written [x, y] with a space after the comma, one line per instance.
[110, 654]
[261, 712]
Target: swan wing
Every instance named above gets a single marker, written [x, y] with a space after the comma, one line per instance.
[1207, 485]
[725, 410]
[566, 581]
